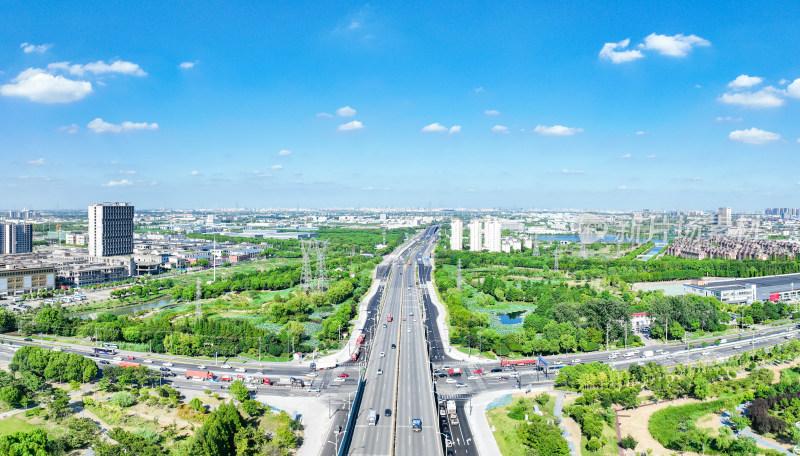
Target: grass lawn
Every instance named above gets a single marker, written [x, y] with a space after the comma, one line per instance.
[609, 449]
[14, 424]
[505, 428]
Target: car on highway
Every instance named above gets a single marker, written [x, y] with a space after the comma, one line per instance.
[404, 318]
[472, 377]
[461, 385]
[670, 356]
[477, 371]
[129, 357]
[163, 369]
[387, 412]
[168, 364]
[310, 374]
[241, 369]
[496, 369]
[117, 358]
[451, 380]
[380, 371]
[201, 366]
[225, 366]
[502, 379]
[339, 379]
[342, 375]
[409, 329]
[314, 390]
[576, 361]
[612, 356]
[737, 347]
[706, 353]
[394, 346]
[515, 375]
[383, 354]
[58, 349]
[148, 361]
[102, 361]
[384, 325]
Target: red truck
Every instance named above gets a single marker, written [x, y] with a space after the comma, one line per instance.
[454, 371]
[205, 375]
[360, 339]
[517, 362]
[356, 352]
[128, 364]
[226, 378]
[267, 382]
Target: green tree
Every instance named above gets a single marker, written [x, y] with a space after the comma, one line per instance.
[10, 394]
[33, 443]
[217, 436]
[628, 442]
[239, 391]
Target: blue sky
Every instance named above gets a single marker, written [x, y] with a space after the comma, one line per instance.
[607, 105]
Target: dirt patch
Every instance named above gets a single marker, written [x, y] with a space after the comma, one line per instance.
[574, 431]
[634, 422]
[710, 422]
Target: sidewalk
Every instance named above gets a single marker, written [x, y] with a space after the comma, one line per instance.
[313, 414]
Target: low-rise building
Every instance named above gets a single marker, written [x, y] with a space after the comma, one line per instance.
[21, 277]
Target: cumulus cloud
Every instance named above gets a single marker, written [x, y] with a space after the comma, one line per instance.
[40, 86]
[434, 128]
[38, 48]
[744, 81]
[500, 129]
[354, 125]
[285, 152]
[98, 125]
[99, 67]
[728, 119]
[610, 52]
[572, 171]
[793, 90]
[345, 111]
[754, 136]
[674, 46]
[71, 129]
[38, 161]
[765, 98]
[119, 183]
[188, 65]
[556, 130]
[455, 129]
[625, 157]
[194, 173]
[276, 167]
[492, 112]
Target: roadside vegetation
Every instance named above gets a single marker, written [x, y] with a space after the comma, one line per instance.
[520, 431]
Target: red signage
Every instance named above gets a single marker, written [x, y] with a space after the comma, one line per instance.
[774, 297]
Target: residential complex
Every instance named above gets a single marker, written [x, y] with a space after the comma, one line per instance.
[732, 248]
[724, 217]
[110, 229]
[475, 235]
[16, 238]
[492, 232]
[456, 234]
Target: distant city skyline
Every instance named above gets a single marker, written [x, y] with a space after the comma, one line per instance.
[607, 106]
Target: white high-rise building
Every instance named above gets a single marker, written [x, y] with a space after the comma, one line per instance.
[16, 237]
[724, 216]
[492, 235]
[475, 235]
[110, 229]
[456, 234]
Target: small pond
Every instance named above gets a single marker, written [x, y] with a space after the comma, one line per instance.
[512, 318]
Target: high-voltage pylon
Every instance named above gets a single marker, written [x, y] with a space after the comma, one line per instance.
[555, 266]
[459, 279]
[584, 255]
[384, 236]
[535, 245]
[305, 271]
[322, 283]
[199, 295]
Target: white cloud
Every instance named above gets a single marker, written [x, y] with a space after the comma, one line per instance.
[194, 173]
[354, 125]
[455, 129]
[188, 65]
[285, 152]
[40, 86]
[500, 129]
[38, 161]
[675, 46]
[345, 111]
[744, 81]
[71, 129]
[119, 183]
[572, 171]
[492, 112]
[98, 125]
[640, 133]
[798, 140]
[754, 136]
[276, 167]
[609, 52]
[622, 187]
[478, 89]
[794, 89]
[556, 130]
[129, 172]
[728, 119]
[260, 174]
[766, 98]
[99, 67]
[368, 189]
[650, 156]
[39, 48]
[434, 128]
[324, 114]
[625, 157]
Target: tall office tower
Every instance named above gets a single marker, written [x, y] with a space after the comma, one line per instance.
[475, 235]
[110, 229]
[16, 238]
[724, 216]
[456, 234]
[492, 236]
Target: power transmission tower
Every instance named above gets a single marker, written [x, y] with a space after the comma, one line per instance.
[555, 266]
[584, 255]
[322, 284]
[199, 294]
[535, 245]
[305, 271]
[384, 236]
[459, 279]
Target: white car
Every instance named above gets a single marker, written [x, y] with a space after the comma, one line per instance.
[241, 369]
[202, 366]
[313, 390]
[409, 329]
[558, 363]
[167, 364]
[737, 346]
[415, 319]
[576, 361]
[472, 377]
[225, 366]
[58, 349]
[451, 380]
[117, 358]
[670, 356]
[383, 354]
[310, 374]
[148, 361]
[339, 379]
[461, 385]
[380, 371]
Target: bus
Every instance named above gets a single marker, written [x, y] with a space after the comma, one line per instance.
[104, 351]
[114, 346]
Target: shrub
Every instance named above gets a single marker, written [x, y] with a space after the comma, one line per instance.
[593, 444]
[123, 399]
[253, 408]
[542, 398]
[628, 442]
